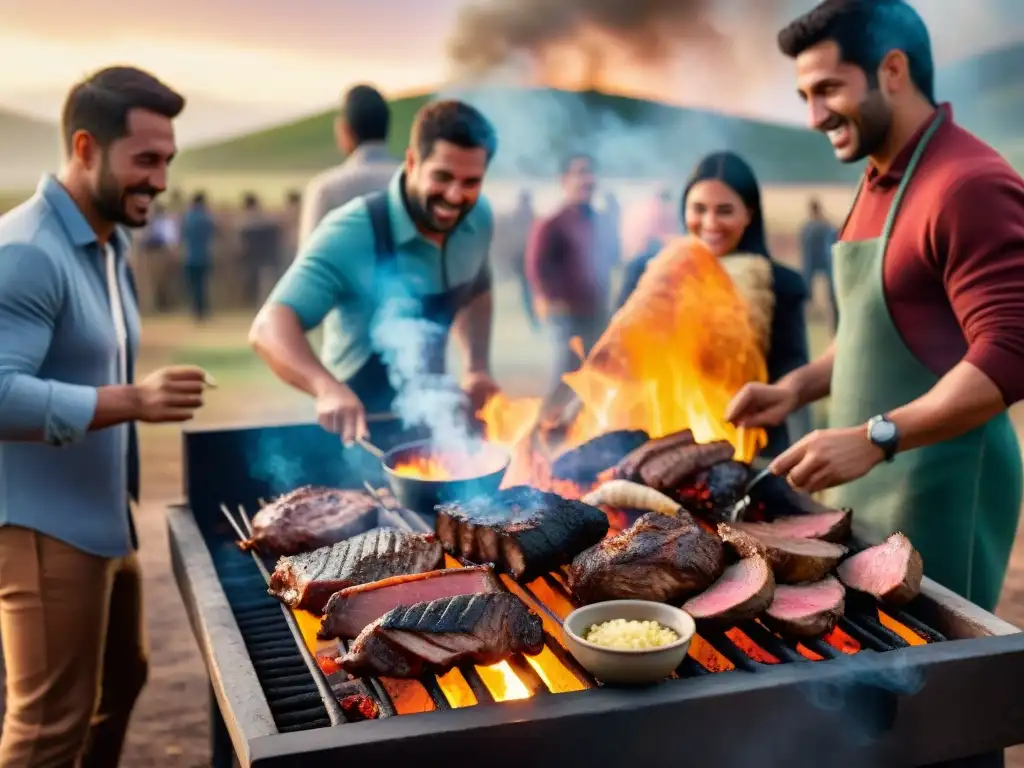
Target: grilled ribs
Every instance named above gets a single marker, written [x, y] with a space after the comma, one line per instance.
[437, 635]
[524, 531]
[667, 470]
[585, 462]
[629, 467]
[307, 581]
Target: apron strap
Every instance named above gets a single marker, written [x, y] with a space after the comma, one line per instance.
[922, 145]
[380, 221]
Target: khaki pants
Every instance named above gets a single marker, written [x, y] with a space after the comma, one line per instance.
[74, 652]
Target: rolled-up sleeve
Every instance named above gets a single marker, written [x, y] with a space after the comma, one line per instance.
[980, 235]
[321, 277]
[30, 297]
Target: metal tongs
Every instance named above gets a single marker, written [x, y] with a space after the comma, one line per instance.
[741, 506]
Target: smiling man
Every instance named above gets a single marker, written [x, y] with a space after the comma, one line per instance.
[418, 252]
[929, 272]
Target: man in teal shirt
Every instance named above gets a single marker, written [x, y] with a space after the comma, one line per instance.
[390, 274]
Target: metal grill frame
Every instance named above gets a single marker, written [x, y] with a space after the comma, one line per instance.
[968, 682]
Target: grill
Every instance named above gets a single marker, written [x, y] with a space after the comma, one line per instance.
[927, 685]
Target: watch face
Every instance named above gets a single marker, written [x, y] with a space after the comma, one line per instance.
[883, 431]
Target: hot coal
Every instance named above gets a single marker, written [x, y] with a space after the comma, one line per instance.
[793, 561]
[744, 591]
[890, 571]
[831, 526]
[629, 467]
[673, 467]
[666, 559]
[585, 462]
[714, 492]
[524, 531]
[437, 635]
[808, 610]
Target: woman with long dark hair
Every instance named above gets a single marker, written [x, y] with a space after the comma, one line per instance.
[721, 205]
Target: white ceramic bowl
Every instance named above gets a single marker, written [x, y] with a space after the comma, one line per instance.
[629, 667]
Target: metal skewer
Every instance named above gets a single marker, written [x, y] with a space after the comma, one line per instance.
[740, 506]
[234, 523]
[370, 448]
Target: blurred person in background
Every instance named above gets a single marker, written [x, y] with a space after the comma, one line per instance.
[291, 218]
[361, 133]
[160, 252]
[930, 283]
[520, 223]
[419, 251]
[611, 217]
[816, 240]
[71, 599]
[260, 246]
[722, 206]
[568, 263]
[647, 223]
[198, 230]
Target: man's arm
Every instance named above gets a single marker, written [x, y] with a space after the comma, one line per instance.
[472, 329]
[34, 409]
[978, 243]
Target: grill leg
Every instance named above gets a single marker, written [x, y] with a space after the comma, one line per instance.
[222, 754]
[994, 760]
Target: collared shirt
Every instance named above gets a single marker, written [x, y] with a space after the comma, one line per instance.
[58, 344]
[334, 279]
[368, 169]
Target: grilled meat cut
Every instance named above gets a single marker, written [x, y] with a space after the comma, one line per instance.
[669, 469]
[308, 580]
[831, 526]
[808, 610]
[437, 635]
[352, 609]
[666, 559]
[524, 531]
[629, 467]
[793, 561]
[778, 498]
[890, 571]
[714, 492]
[585, 462]
[743, 592]
[308, 518]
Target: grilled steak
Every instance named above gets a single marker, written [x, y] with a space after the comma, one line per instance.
[352, 609]
[585, 462]
[309, 518]
[792, 560]
[629, 467]
[831, 526]
[743, 592]
[668, 470]
[808, 610]
[306, 581]
[779, 498]
[715, 491]
[891, 571]
[657, 558]
[437, 635]
[525, 532]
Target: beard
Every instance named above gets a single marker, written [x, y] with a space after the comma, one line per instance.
[872, 126]
[110, 198]
[421, 209]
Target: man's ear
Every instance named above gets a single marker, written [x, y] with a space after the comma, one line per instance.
[894, 72]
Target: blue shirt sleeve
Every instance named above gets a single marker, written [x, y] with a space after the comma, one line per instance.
[31, 294]
[325, 274]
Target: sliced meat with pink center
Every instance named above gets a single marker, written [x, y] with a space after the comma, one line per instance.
[743, 592]
[891, 571]
[808, 610]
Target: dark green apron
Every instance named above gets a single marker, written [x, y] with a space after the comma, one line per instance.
[958, 501]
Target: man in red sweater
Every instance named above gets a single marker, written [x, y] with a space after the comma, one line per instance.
[929, 273]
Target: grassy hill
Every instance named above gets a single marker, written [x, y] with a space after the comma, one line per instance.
[28, 147]
[630, 137]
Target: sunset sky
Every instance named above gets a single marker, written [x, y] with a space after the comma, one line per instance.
[250, 61]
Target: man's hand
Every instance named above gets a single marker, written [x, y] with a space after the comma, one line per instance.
[339, 410]
[827, 458]
[761, 405]
[479, 387]
[171, 394]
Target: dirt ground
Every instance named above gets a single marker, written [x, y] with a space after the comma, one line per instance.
[170, 725]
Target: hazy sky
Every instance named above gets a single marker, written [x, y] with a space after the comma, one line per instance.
[277, 58]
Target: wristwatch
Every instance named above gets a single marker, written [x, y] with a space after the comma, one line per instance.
[883, 433]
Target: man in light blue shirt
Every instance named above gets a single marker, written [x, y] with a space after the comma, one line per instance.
[390, 274]
[70, 589]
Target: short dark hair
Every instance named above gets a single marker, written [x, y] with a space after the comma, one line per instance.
[572, 157]
[366, 112]
[250, 201]
[453, 121]
[865, 31]
[199, 198]
[101, 102]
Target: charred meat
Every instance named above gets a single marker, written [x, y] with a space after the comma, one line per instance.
[666, 559]
[793, 561]
[585, 462]
[668, 470]
[309, 518]
[437, 635]
[352, 609]
[525, 532]
[308, 580]
[743, 592]
[831, 526]
[715, 491]
[808, 610]
[890, 571]
[778, 498]
[629, 467]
